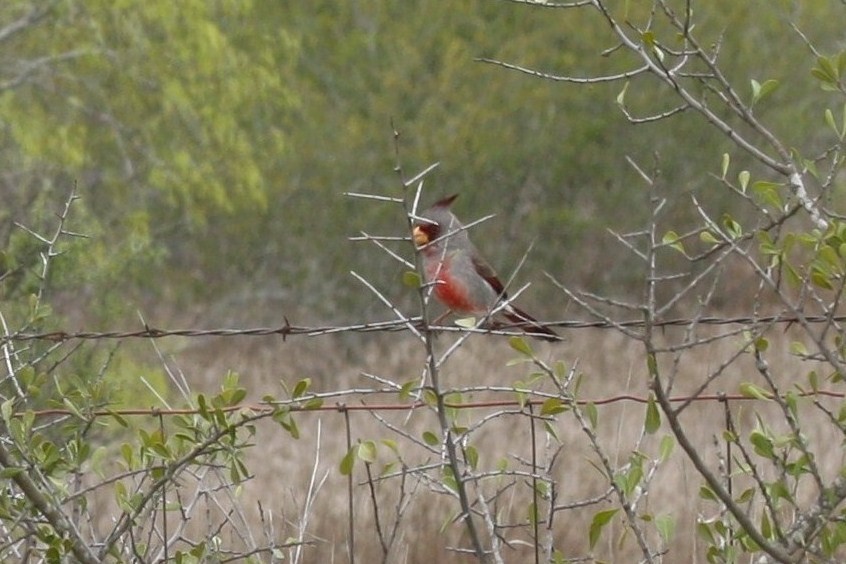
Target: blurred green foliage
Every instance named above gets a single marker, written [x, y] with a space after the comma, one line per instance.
[212, 141]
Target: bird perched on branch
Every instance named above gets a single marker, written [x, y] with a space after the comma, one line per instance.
[463, 281]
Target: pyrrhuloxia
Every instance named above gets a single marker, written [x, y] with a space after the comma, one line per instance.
[463, 281]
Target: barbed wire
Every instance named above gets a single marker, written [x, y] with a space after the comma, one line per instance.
[288, 330]
[299, 404]
[302, 405]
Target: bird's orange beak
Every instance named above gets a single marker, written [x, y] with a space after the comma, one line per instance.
[419, 236]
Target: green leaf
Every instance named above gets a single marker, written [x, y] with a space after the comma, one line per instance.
[768, 192]
[766, 527]
[671, 239]
[407, 388]
[590, 410]
[724, 166]
[821, 279]
[532, 513]
[826, 73]
[391, 444]
[288, 423]
[666, 447]
[550, 430]
[120, 492]
[313, 403]
[750, 390]
[347, 463]
[760, 91]
[230, 380]
[779, 490]
[466, 322]
[763, 445]
[411, 279]
[471, 455]
[813, 380]
[621, 97]
[6, 411]
[301, 387]
[521, 345]
[202, 407]
[632, 477]
[829, 120]
[732, 227]
[829, 255]
[756, 89]
[798, 348]
[828, 67]
[666, 526]
[449, 480]
[559, 370]
[8, 473]
[708, 237]
[119, 419]
[502, 464]
[552, 406]
[431, 438]
[653, 417]
[704, 531]
[522, 396]
[388, 468]
[430, 397]
[599, 521]
[367, 451]
[235, 396]
[706, 493]
[71, 407]
[743, 179]
[648, 39]
[518, 360]
[746, 495]
[792, 275]
[128, 454]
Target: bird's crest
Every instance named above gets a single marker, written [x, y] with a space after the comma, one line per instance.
[445, 202]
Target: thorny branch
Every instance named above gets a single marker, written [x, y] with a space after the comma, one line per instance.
[694, 75]
[655, 59]
[447, 435]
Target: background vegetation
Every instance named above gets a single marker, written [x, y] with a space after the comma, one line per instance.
[211, 143]
[208, 147]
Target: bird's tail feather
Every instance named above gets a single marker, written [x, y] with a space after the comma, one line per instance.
[529, 324]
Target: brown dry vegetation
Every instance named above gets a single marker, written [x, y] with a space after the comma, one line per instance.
[611, 364]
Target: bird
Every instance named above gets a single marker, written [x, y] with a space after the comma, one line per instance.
[462, 280]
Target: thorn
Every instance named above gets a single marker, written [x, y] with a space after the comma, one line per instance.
[286, 329]
[57, 336]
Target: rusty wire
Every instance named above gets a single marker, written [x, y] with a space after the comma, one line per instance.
[300, 405]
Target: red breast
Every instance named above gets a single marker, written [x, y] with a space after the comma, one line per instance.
[449, 290]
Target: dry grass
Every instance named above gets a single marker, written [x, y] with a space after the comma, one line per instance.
[611, 365]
